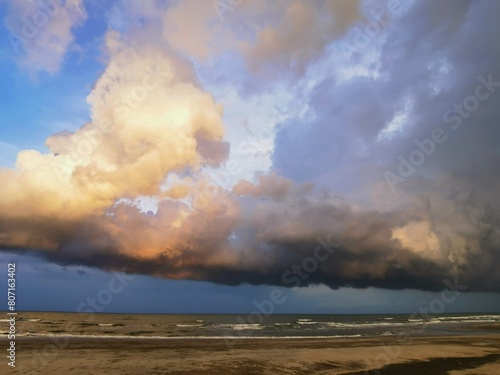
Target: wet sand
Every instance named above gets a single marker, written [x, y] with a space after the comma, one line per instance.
[455, 355]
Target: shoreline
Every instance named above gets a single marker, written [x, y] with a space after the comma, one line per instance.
[471, 331]
[347, 356]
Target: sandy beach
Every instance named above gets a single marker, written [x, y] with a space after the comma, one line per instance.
[454, 355]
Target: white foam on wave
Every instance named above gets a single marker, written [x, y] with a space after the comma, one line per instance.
[241, 326]
[387, 333]
[479, 321]
[368, 325]
[469, 317]
[188, 325]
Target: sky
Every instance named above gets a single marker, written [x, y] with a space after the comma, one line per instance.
[204, 154]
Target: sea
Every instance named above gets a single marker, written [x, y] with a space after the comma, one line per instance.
[169, 326]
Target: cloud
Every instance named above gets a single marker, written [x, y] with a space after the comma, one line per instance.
[41, 32]
[242, 239]
[299, 35]
[274, 38]
[146, 122]
[432, 68]
[156, 132]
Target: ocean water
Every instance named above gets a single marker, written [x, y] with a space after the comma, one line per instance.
[48, 324]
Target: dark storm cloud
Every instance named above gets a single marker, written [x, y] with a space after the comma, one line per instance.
[434, 58]
[299, 238]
